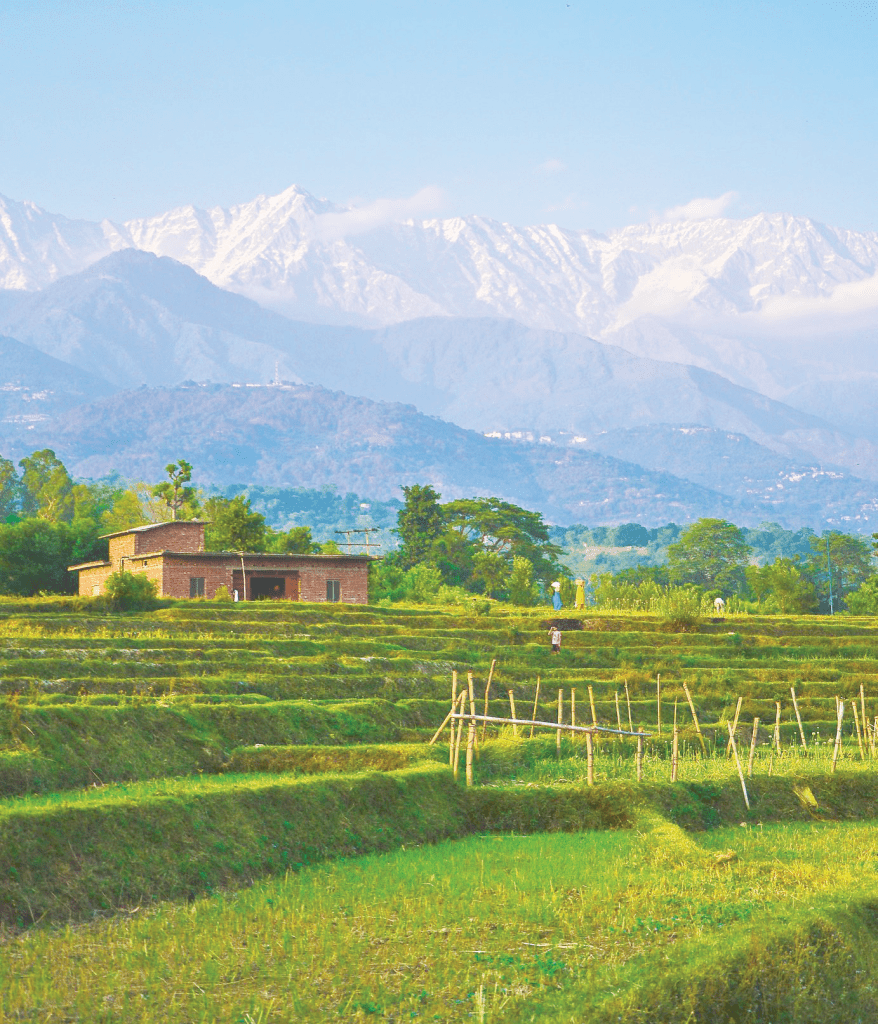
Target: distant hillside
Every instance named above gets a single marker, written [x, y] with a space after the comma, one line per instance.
[298, 436]
[283, 436]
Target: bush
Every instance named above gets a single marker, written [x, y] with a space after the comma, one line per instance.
[130, 592]
[222, 594]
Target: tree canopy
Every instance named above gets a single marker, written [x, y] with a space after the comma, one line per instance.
[711, 553]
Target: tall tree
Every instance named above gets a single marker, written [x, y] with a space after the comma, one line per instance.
[10, 490]
[174, 491]
[419, 524]
[711, 553]
[48, 489]
[839, 559]
[506, 530]
[233, 525]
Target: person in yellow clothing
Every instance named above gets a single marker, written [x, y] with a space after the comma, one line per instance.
[579, 600]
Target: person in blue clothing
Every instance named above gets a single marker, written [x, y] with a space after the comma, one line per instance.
[557, 603]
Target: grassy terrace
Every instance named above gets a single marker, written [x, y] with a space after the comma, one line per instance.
[269, 762]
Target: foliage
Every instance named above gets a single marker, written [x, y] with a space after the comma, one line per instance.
[712, 554]
[295, 541]
[783, 587]
[47, 487]
[35, 553]
[10, 490]
[130, 592]
[520, 585]
[222, 595]
[864, 601]
[125, 513]
[841, 561]
[174, 493]
[233, 526]
[419, 524]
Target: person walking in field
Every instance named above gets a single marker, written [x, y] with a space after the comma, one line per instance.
[719, 606]
[579, 601]
[557, 603]
[555, 637]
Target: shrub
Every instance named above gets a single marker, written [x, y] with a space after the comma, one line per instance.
[520, 586]
[222, 594]
[130, 592]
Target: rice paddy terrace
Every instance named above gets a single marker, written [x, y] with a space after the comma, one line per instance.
[206, 750]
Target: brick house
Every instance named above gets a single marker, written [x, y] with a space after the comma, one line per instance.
[172, 555]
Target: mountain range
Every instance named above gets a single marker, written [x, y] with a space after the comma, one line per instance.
[481, 325]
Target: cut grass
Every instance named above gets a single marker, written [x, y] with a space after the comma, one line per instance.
[643, 925]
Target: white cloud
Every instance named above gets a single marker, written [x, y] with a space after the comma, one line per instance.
[359, 219]
[552, 166]
[698, 209]
[849, 301]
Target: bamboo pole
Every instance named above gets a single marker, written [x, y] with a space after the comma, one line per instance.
[456, 761]
[438, 732]
[675, 753]
[628, 702]
[695, 718]
[874, 735]
[752, 748]
[777, 726]
[835, 749]
[594, 714]
[536, 706]
[798, 719]
[472, 703]
[454, 738]
[734, 726]
[512, 708]
[573, 705]
[487, 693]
[470, 744]
[859, 734]
[738, 764]
[863, 713]
[618, 712]
[639, 759]
[560, 721]
[589, 754]
[583, 729]
[658, 701]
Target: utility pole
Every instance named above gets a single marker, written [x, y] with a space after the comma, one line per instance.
[367, 543]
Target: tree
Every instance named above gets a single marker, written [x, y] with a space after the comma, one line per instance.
[125, 513]
[507, 530]
[783, 585]
[10, 490]
[847, 559]
[520, 585]
[295, 541]
[34, 555]
[491, 570]
[420, 523]
[47, 487]
[174, 492]
[711, 554]
[233, 525]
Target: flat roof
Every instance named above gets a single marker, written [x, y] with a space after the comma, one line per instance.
[87, 565]
[249, 554]
[155, 526]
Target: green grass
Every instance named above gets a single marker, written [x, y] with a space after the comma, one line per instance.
[635, 926]
[198, 750]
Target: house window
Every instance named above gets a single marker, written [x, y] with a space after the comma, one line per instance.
[333, 590]
[196, 586]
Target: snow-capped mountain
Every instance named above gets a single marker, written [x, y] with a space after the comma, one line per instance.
[753, 299]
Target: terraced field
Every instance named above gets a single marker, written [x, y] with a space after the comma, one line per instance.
[177, 754]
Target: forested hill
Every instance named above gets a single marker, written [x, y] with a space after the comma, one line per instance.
[300, 436]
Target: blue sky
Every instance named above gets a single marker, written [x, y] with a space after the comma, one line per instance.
[590, 115]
